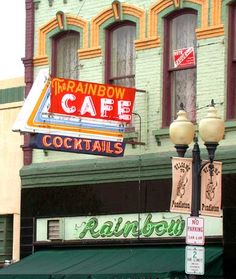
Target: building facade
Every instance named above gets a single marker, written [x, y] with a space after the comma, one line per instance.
[84, 201]
[11, 100]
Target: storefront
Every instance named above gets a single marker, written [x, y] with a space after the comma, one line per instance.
[117, 233]
[99, 263]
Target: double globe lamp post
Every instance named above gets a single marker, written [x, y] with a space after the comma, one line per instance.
[182, 133]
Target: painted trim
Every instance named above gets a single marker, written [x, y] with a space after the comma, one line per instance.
[204, 8]
[143, 42]
[216, 28]
[210, 32]
[105, 15]
[153, 166]
[147, 43]
[205, 31]
[90, 53]
[11, 105]
[42, 59]
[216, 12]
[153, 17]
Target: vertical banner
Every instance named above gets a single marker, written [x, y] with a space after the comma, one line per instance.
[181, 185]
[211, 188]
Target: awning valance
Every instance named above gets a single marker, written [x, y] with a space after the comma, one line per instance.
[111, 263]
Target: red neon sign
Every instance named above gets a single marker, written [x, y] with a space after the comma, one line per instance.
[93, 100]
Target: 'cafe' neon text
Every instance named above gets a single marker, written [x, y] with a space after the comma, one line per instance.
[93, 100]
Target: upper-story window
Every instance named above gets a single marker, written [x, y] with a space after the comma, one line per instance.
[120, 54]
[65, 61]
[231, 100]
[179, 76]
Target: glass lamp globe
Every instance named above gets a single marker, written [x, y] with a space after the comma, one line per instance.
[211, 128]
[181, 130]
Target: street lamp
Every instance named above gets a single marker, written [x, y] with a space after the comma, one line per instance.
[182, 133]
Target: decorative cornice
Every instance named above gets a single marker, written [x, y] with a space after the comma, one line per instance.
[152, 39]
[153, 16]
[40, 61]
[108, 13]
[79, 172]
[177, 3]
[50, 2]
[138, 13]
[96, 23]
[205, 8]
[216, 12]
[147, 43]
[90, 53]
[41, 58]
[117, 10]
[210, 32]
[163, 4]
[83, 24]
[36, 4]
[130, 168]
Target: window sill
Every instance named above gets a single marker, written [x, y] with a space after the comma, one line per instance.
[230, 126]
[132, 138]
[160, 134]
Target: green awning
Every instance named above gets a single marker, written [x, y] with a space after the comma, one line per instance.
[111, 263]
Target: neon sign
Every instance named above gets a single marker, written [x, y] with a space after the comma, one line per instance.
[77, 145]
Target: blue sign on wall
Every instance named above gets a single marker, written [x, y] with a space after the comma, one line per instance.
[78, 145]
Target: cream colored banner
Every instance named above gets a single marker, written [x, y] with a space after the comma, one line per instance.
[181, 185]
[211, 188]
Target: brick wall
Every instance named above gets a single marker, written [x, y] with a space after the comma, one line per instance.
[211, 70]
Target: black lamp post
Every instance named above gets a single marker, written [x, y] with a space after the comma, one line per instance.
[182, 133]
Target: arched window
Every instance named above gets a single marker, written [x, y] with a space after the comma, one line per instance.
[120, 54]
[65, 61]
[179, 77]
[231, 88]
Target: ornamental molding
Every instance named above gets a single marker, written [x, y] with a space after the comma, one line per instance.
[148, 35]
[126, 9]
[40, 58]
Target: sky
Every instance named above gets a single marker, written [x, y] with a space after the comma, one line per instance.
[12, 46]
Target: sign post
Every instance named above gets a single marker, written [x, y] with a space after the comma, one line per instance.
[195, 231]
[195, 255]
[194, 260]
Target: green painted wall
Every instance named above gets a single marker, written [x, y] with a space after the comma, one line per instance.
[211, 84]
[132, 168]
[10, 95]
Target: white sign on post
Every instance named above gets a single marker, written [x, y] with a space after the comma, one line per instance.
[194, 260]
[195, 231]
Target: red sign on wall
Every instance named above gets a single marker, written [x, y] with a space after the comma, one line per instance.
[93, 100]
[184, 57]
